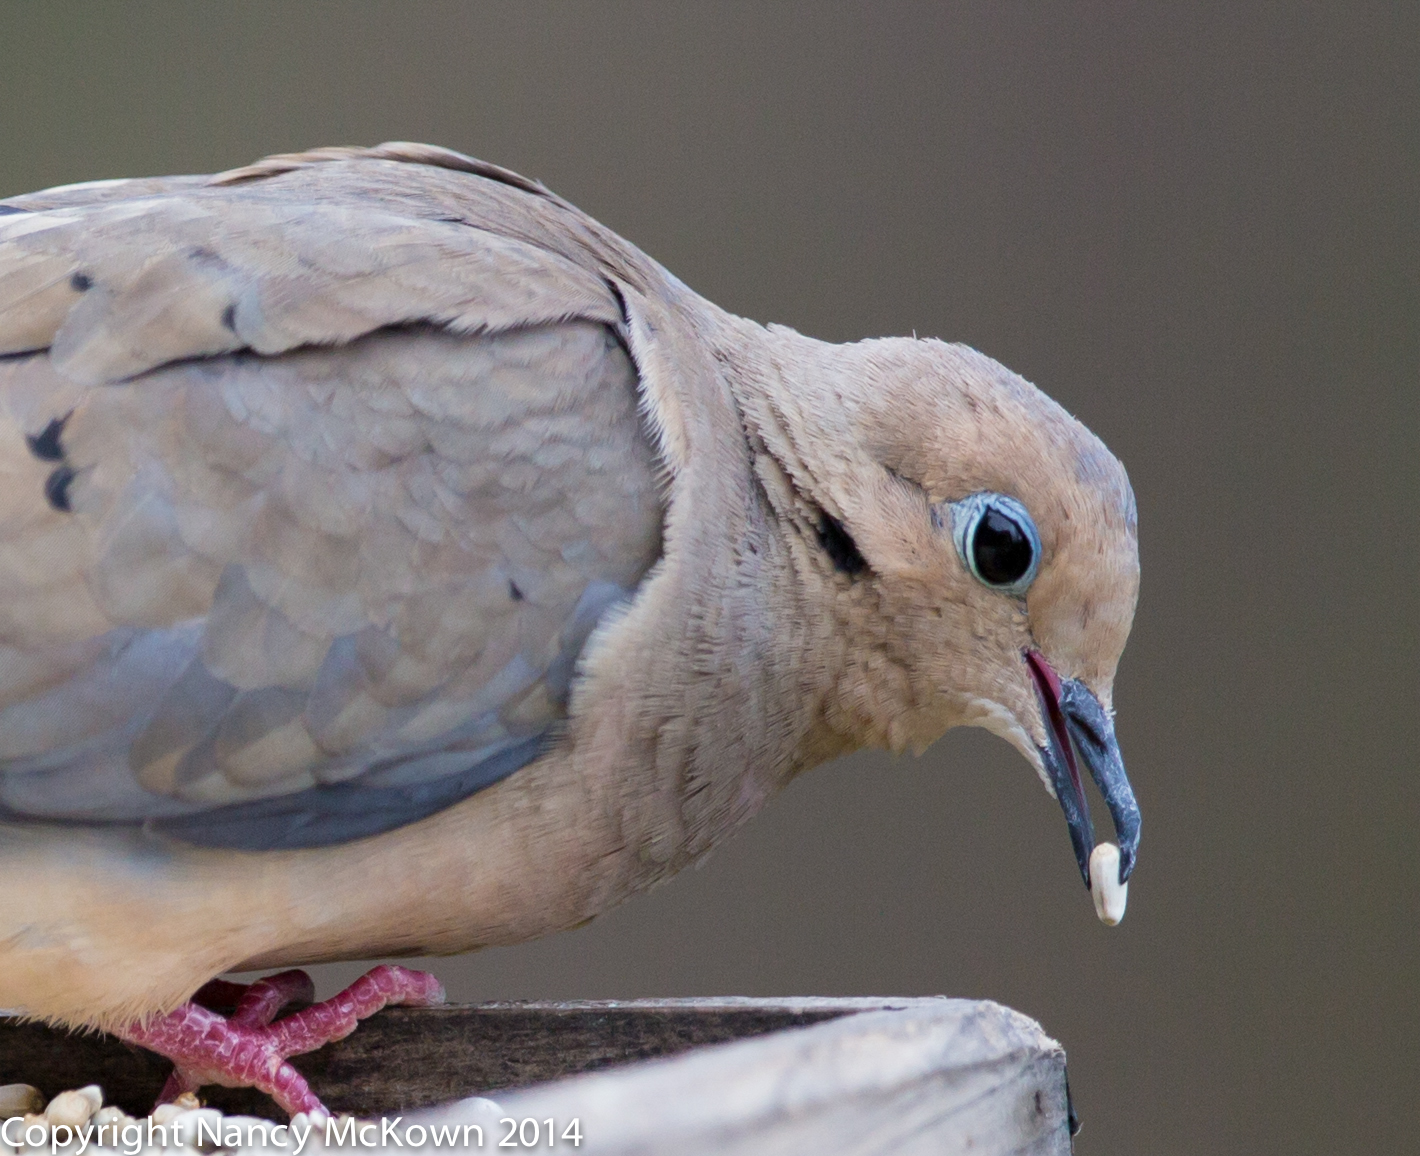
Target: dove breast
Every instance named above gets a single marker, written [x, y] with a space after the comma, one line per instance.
[306, 513]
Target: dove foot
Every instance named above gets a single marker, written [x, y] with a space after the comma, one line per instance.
[248, 1050]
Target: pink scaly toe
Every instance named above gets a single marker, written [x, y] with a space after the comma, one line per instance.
[254, 1006]
[248, 1050]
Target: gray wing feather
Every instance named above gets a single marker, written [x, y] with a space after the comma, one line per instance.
[336, 498]
[340, 812]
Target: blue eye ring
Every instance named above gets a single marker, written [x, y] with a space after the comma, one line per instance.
[978, 523]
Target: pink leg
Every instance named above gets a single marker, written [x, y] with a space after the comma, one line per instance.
[248, 1050]
[259, 1004]
[256, 1005]
[216, 994]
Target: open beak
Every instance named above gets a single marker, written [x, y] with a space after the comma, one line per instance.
[1074, 720]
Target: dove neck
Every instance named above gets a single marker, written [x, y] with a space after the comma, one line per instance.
[744, 586]
[798, 401]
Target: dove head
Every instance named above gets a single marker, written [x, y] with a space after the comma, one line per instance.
[997, 568]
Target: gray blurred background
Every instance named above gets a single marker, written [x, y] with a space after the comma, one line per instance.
[1195, 228]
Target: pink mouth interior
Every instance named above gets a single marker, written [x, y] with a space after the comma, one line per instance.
[1048, 683]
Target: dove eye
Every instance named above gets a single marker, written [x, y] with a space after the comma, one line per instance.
[997, 540]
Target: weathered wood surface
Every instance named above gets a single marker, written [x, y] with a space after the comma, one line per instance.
[859, 1076]
[931, 1077]
[405, 1058]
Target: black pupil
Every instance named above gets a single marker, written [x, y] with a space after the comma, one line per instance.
[1000, 548]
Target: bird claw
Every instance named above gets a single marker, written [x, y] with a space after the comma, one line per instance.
[248, 1049]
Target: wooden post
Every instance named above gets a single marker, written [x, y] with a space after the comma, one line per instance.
[813, 1076]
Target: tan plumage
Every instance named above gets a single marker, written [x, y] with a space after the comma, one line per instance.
[360, 446]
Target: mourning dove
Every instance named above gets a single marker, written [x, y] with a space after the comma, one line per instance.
[395, 560]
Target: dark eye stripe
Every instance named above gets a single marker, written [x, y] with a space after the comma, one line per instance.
[838, 544]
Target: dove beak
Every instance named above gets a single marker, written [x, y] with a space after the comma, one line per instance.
[1075, 721]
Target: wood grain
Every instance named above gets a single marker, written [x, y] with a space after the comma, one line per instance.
[404, 1058]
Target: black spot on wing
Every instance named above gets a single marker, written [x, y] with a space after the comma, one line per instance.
[56, 488]
[513, 592]
[838, 544]
[45, 444]
[81, 282]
